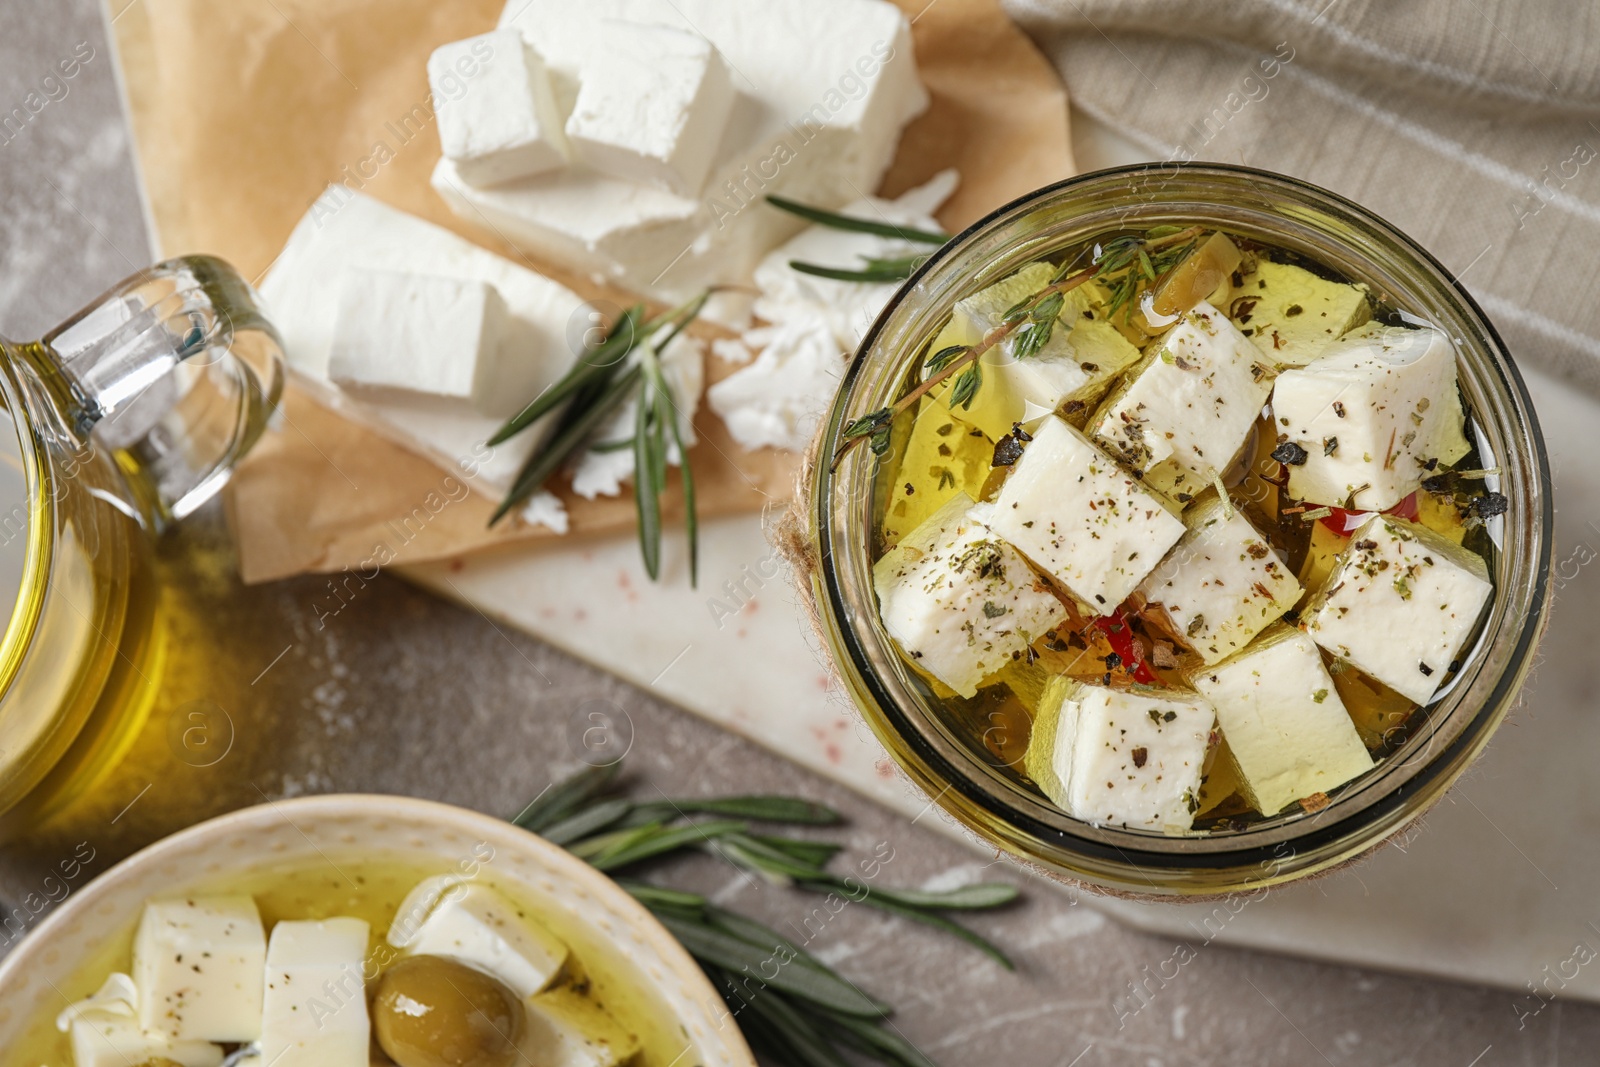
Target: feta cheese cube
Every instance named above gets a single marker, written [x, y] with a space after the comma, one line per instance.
[652, 104]
[1221, 585]
[1082, 519]
[418, 334]
[1067, 375]
[103, 1040]
[1114, 757]
[315, 1006]
[198, 963]
[959, 600]
[497, 114]
[1284, 722]
[1400, 604]
[104, 1031]
[567, 1029]
[479, 927]
[1293, 315]
[1371, 414]
[1182, 417]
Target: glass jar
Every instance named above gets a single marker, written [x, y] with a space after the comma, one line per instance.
[125, 418]
[952, 767]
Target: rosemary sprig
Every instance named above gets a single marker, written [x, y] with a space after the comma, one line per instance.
[892, 269]
[598, 383]
[1128, 265]
[806, 1014]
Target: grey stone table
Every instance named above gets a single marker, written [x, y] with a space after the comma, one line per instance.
[403, 693]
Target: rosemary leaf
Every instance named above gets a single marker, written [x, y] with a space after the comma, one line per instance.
[565, 797]
[982, 896]
[875, 270]
[800, 1036]
[586, 822]
[648, 842]
[654, 895]
[834, 221]
[799, 977]
[877, 900]
[782, 809]
[816, 853]
[548, 459]
[610, 353]
[647, 490]
[885, 1046]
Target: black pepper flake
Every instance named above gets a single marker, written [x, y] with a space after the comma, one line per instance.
[1489, 505]
[1330, 445]
[1008, 449]
[1290, 453]
[1338, 408]
[1455, 665]
[1140, 756]
[1090, 368]
[1113, 661]
[1426, 670]
[1440, 483]
[1292, 310]
[1074, 406]
[910, 489]
[1100, 598]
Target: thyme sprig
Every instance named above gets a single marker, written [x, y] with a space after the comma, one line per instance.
[622, 366]
[794, 1009]
[1127, 265]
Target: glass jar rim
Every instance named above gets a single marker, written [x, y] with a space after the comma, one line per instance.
[1132, 861]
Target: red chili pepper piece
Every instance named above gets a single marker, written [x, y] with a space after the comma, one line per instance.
[1120, 638]
[1339, 520]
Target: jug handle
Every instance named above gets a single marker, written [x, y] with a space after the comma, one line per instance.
[177, 371]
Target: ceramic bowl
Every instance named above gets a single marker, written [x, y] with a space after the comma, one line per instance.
[357, 828]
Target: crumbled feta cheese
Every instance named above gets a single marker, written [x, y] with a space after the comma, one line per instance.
[777, 400]
[345, 230]
[1221, 585]
[198, 963]
[1400, 604]
[419, 333]
[1080, 518]
[1181, 418]
[652, 104]
[104, 1031]
[567, 1029]
[1067, 375]
[1285, 725]
[1115, 757]
[959, 600]
[315, 1008]
[1372, 413]
[1293, 315]
[479, 927]
[545, 509]
[601, 471]
[827, 85]
[496, 111]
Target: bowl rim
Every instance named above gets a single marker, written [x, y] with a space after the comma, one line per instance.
[965, 800]
[692, 999]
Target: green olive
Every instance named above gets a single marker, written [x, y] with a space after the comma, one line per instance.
[430, 1011]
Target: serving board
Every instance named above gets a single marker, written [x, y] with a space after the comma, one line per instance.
[1497, 887]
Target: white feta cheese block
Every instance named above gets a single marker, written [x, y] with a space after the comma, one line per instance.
[1371, 413]
[1289, 732]
[960, 601]
[825, 86]
[479, 927]
[417, 333]
[198, 963]
[1081, 518]
[1221, 585]
[345, 230]
[1115, 757]
[652, 104]
[1067, 375]
[1184, 414]
[496, 110]
[567, 1029]
[104, 1031]
[1400, 603]
[315, 1005]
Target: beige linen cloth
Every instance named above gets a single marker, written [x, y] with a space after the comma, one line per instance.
[1473, 125]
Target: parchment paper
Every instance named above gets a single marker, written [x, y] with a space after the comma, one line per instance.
[245, 111]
